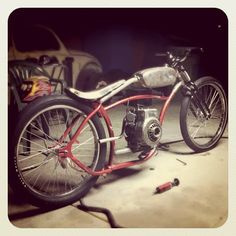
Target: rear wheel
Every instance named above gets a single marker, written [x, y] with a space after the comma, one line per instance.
[201, 133]
[37, 170]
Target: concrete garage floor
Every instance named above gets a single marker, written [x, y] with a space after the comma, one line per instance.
[200, 201]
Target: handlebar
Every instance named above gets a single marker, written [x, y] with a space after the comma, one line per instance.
[178, 59]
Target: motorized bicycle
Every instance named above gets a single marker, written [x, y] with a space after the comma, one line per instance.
[60, 145]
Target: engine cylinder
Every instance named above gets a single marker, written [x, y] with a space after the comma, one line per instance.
[144, 131]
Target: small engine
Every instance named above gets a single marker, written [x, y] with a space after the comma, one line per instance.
[142, 128]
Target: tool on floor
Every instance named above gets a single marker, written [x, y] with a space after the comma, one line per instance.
[167, 186]
[184, 163]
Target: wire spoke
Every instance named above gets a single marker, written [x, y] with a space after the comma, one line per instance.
[45, 172]
[213, 99]
[26, 152]
[35, 166]
[29, 157]
[196, 131]
[33, 142]
[36, 135]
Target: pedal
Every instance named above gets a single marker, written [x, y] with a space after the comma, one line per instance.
[144, 154]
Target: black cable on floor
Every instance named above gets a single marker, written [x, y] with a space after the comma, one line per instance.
[165, 146]
[181, 140]
[105, 211]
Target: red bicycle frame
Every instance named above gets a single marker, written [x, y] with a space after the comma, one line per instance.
[102, 111]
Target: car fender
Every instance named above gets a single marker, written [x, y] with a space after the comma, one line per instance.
[82, 60]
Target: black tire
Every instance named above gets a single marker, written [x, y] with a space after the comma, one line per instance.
[89, 78]
[204, 137]
[41, 176]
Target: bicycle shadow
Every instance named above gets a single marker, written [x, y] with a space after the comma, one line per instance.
[19, 208]
[117, 175]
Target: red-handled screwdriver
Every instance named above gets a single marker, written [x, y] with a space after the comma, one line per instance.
[164, 187]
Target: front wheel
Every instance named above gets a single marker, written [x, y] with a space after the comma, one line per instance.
[37, 169]
[202, 133]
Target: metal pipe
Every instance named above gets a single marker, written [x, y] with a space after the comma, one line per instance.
[106, 140]
[122, 151]
[164, 108]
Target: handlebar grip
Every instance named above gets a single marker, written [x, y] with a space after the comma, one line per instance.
[160, 54]
[194, 49]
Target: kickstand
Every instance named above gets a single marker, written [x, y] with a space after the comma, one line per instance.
[105, 211]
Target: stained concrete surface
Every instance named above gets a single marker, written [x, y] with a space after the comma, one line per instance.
[200, 201]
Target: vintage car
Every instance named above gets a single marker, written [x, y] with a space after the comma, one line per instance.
[36, 41]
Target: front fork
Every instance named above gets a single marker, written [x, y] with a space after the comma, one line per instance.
[192, 90]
